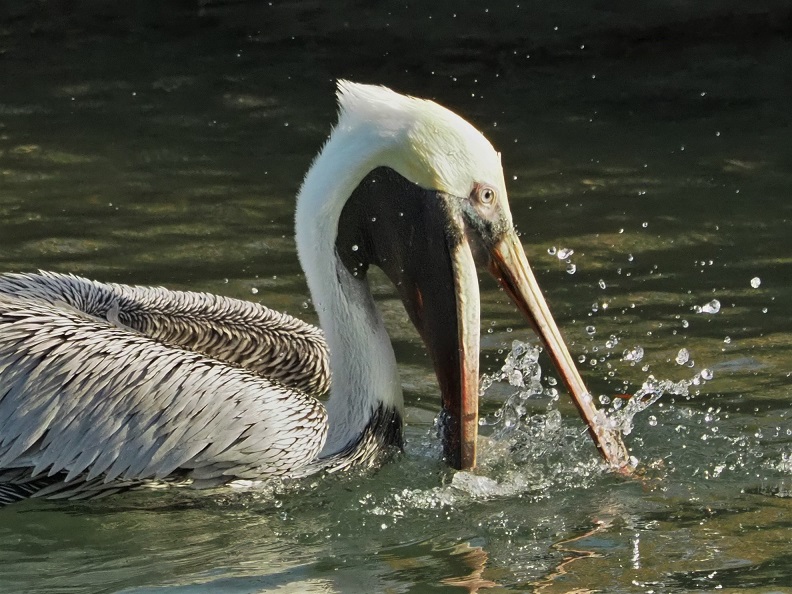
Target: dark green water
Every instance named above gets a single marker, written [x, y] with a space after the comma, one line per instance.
[165, 146]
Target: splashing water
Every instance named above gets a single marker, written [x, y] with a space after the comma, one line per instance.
[526, 449]
[521, 370]
[620, 417]
[538, 431]
[534, 453]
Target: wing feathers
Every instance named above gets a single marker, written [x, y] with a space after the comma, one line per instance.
[91, 403]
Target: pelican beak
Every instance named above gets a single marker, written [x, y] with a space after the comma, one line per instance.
[417, 237]
[458, 375]
[438, 285]
[510, 266]
[424, 241]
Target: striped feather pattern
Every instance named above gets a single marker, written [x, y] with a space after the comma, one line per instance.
[272, 344]
[93, 400]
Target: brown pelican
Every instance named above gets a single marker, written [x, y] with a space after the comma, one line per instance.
[104, 387]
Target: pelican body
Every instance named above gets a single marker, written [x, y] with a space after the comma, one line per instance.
[106, 387]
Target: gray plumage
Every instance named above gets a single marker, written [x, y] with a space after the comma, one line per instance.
[106, 386]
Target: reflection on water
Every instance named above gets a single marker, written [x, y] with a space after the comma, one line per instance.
[648, 161]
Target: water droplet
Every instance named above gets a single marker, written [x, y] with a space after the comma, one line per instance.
[590, 330]
[604, 400]
[755, 282]
[652, 420]
[712, 307]
[727, 340]
[630, 257]
[355, 248]
[706, 374]
[551, 250]
[602, 284]
[373, 219]
[634, 354]
[682, 356]
[565, 253]
[571, 268]
[644, 224]
[516, 378]
[582, 359]
[254, 290]
[685, 323]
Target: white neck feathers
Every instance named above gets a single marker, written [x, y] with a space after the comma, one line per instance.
[363, 365]
[431, 147]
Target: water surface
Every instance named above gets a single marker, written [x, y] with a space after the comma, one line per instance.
[165, 147]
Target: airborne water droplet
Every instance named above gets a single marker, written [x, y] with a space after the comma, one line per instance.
[634, 354]
[755, 282]
[712, 307]
[682, 356]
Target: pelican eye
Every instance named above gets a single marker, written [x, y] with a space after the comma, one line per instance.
[485, 194]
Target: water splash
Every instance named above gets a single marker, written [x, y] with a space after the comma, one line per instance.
[531, 447]
[528, 449]
[620, 416]
[541, 432]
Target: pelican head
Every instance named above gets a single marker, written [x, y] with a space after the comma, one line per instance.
[407, 185]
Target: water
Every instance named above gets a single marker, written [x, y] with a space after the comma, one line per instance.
[652, 149]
